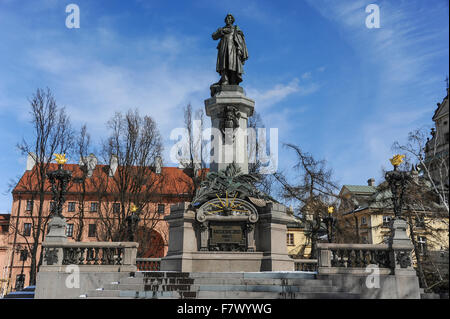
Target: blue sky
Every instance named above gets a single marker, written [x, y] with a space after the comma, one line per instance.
[339, 90]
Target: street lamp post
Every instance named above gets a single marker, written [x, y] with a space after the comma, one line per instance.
[59, 179]
[397, 181]
[329, 222]
[399, 242]
[132, 221]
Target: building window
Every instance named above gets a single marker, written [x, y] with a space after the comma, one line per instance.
[27, 229]
[387, 221]
[23, 255]
[422, 244]
[94, 207]
[29, 205]
[363, 220]
[290, 239]
[116, 208]
[92, 230]
[71, 207]
[69, 230]
[161, 208]
[420, 222]
[20, 282]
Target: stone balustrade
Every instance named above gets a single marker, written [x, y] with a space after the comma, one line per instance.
[148, 264]
[91, 254]
[305, 264]
[353, 255]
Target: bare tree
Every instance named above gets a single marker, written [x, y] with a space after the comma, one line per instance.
[135, 142]
[193, 158]
[52, 134]
[313, 192]
[81, 147]
[265, 181]
[426, 205]
[433, 168]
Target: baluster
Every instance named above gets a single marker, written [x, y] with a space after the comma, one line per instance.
[334, 260]
[364, 256]
[372, 259]
[104, 253]
[81, 258]
[358, 261]
[349, 258]
[96, 253]
[119, 256]
[340, 253]
[71, 255]
[64, 261]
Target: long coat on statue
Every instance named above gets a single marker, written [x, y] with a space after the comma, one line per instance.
[232, 50]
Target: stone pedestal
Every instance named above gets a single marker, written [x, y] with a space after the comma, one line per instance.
[57, 230]
[187, 251]
[407, 282]
[271, 235]
[229, 110]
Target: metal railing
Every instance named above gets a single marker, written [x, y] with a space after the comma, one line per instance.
[148, 264]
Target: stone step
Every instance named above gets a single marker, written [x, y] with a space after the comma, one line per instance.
[263, 288]
[272, 295]
[103, 293]
[227, 275]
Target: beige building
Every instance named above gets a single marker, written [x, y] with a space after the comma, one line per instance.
[437, 148]
[365, 217]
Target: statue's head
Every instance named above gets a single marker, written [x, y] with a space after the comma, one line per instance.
[229, 19]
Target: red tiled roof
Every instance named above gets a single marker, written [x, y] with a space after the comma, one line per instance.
[171, 181]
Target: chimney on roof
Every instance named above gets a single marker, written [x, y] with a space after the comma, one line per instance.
[414, 173]
[31, 161]
[113, 164]
[89, 162]
[158, 164]
[371, 182]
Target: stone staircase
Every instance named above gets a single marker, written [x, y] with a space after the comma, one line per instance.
[220, 285]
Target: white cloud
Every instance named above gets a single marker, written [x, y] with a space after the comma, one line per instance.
[267, 98]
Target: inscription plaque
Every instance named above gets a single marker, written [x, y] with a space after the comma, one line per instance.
[226, 235]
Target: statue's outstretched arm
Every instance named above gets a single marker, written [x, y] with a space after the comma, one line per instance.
[218, 34]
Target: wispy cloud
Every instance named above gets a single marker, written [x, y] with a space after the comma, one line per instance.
[279, 92]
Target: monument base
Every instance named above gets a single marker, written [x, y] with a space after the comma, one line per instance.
[227, 262]
[185, 243]
[215, 261]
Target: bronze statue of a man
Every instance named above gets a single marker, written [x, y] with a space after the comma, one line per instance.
[232, 52]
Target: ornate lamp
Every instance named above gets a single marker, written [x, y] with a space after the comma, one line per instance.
[329, 222]
[132, 221]
[59, 180]
[399, 242]
[397, 181]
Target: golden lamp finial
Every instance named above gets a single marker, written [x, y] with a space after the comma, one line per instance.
[330, 210]
[133, 208]
[397, 160]
[60, 158]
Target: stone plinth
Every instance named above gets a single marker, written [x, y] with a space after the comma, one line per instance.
[229, 110]
[185, 245]
[271, 238]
